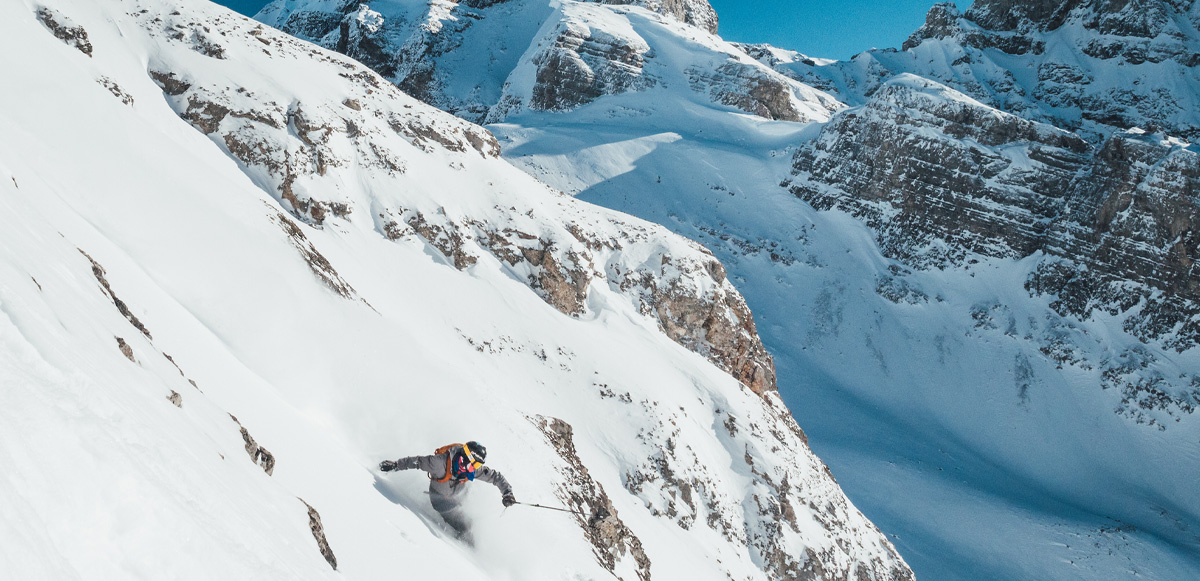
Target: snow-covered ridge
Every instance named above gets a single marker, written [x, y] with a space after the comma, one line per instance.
[240, 270]
[352, 152]
[1091, 67]
[490, 61]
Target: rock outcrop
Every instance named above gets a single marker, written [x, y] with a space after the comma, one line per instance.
[65, 29]
[258, 454]
[318, 532]
[486, 61]
[1114, 65]
[585, 63]
[922, 163]
[611, 540]
[944, 179]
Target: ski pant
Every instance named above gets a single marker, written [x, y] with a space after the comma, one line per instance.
[451, 512]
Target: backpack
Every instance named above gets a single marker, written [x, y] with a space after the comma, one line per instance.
[449, 461]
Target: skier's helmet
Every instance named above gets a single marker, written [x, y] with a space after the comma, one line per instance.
[478, 451]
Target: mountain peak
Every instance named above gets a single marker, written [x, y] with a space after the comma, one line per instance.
[940, 22]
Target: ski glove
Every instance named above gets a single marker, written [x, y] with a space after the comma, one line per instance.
[509, 500]
[388, 466]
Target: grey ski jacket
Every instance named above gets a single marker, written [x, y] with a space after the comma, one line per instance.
[435, 466]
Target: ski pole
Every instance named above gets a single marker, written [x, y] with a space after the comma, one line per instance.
[554, 508]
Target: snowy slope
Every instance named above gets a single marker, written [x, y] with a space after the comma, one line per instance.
[488, 60]
[991, 428]
[209, 220]
[940, 397]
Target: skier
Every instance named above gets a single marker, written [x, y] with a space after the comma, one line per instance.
[450, 468]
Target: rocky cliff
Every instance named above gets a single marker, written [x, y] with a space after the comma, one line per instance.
[946, 181]
[486, 61]
[923, 164]
[1089, 67]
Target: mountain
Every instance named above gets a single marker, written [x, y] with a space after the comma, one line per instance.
[239, 270]
[1091, 67]
[486, 61]
[972, 258]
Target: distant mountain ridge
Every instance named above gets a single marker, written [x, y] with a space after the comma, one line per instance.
[485, 61]
[1092, 67]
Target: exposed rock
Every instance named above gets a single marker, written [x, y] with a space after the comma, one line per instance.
[1135, 214]
[446, 239]
[424, 134]
[690, 298]
[611, 540]
[920, 163]
[258, 454]
[206, 46]
[580, 64]
[585, 63]
[749, 88]
[116, 90]
[126, 350]
[944, 181]
[363, 34]
[560, 278]
[675, 483]
[64, 29]
[940, 22]
[169, 83]
[317, 262]
[717, 325]
[318, 531]
[294, 146]
[921, 168]
[562, 283]
[99, 272]
[175, 399]
[181, 373]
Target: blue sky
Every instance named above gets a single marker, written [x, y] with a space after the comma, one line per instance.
[822, 28]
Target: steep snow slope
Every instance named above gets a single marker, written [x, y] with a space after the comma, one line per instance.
[1001, 413]
[239, 270]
